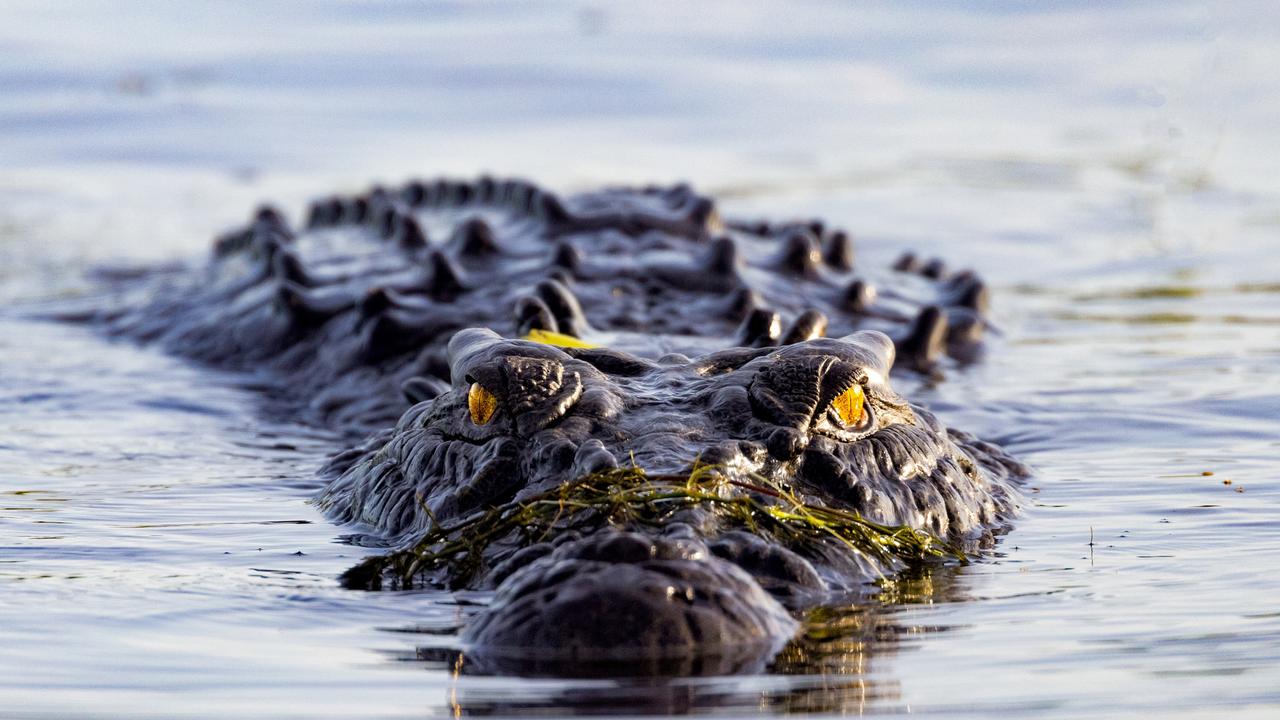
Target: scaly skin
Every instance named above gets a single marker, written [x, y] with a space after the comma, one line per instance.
[720, 343]
[753, 413]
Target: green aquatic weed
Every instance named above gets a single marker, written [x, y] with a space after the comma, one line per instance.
[631, 498]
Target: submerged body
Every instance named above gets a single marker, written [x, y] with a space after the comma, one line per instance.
[749, 356]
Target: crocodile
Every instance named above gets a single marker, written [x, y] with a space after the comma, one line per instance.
[488, 346]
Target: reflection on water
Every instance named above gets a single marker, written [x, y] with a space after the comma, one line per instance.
[1109, 170]
[833, 666]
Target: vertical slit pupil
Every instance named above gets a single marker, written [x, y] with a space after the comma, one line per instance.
[481, 403]
[850, 406]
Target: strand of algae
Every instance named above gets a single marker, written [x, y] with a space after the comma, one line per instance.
[629, 497]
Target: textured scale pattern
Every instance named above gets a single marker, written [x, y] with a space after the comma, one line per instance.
[394, 317]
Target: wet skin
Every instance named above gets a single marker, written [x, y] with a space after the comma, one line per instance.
[760, 349]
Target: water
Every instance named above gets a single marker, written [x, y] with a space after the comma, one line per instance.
[1110, 169]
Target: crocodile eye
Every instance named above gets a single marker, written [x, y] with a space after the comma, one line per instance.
[481, 403]
[851, 406]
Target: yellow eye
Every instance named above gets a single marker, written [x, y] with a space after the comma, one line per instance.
[481, 403]
[851, 406]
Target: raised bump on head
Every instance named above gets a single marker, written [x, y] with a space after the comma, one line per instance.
[722, 257]
[742, 302]
[925, 342]
[444, 281]
[551, 209]
[837, 251]
[309, 308]
[355, 210]
[761, 328]
[564, 255]
[808, 325]
[564, 307]
[975, 295]
[935, 269]
[702, 214]
[800, 254]
[286, 265]
[486, 189]
[859, 296]
[384, 220]
[410, 235]
[533, 314]
[414, 193]
[964, 326]
[474, 238]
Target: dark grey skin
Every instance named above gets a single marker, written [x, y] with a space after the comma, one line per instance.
[389, 305]
[694, 586]
[353, 312]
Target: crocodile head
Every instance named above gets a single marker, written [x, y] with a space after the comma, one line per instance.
[370, 303]
[520, 419]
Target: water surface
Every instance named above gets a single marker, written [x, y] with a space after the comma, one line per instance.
[1110, 169]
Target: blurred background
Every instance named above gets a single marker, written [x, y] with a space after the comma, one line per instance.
[1110, 167]
[163, 117]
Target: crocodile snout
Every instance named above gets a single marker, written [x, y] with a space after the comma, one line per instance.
[617, 595]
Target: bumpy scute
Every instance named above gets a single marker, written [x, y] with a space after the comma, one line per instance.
[661, 336]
